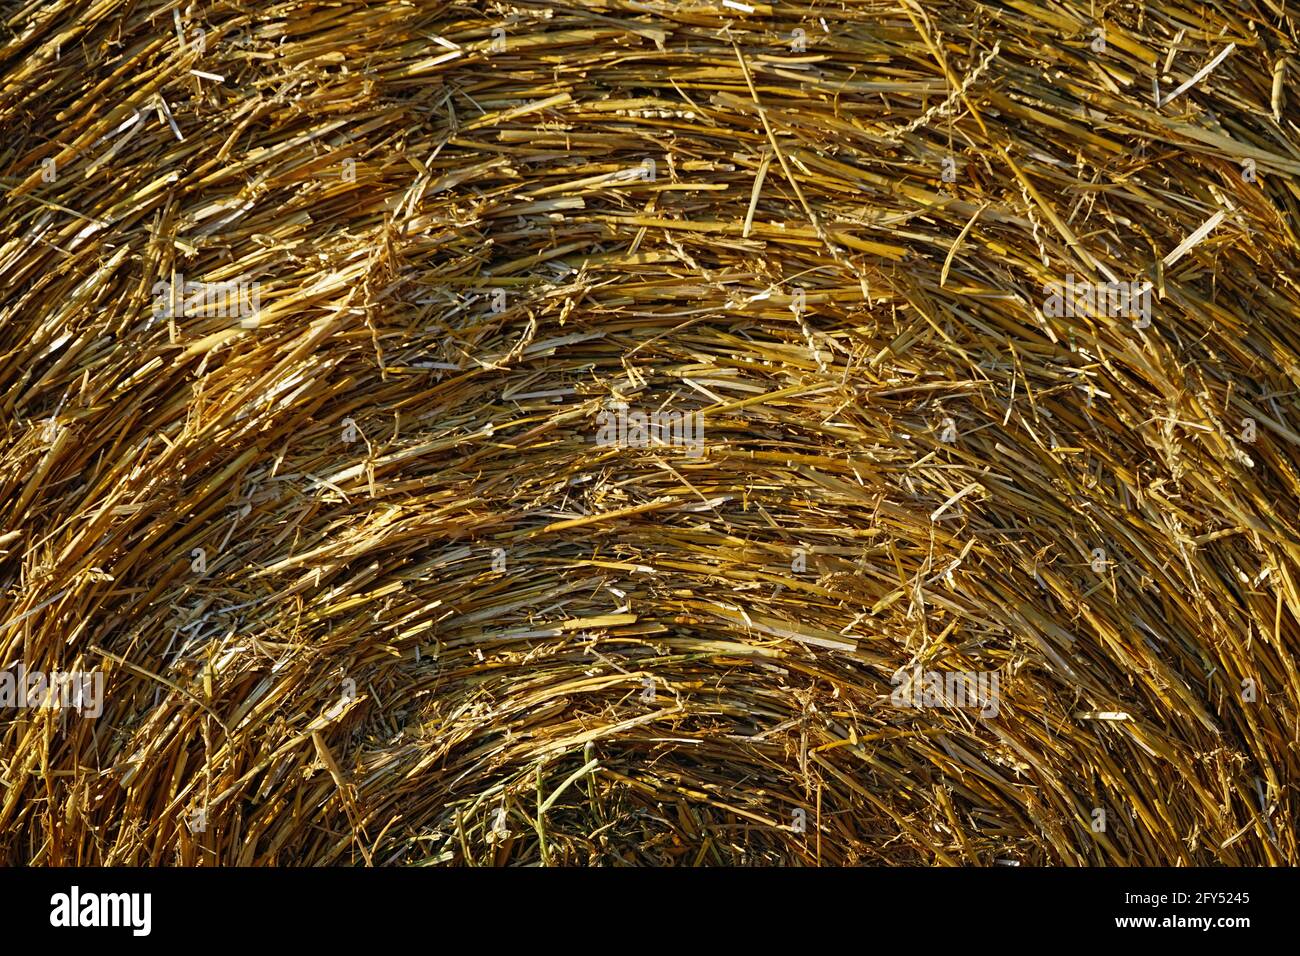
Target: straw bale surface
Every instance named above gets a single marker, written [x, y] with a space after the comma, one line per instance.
[365, 587]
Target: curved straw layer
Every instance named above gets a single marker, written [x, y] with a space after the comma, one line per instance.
[364, 586]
